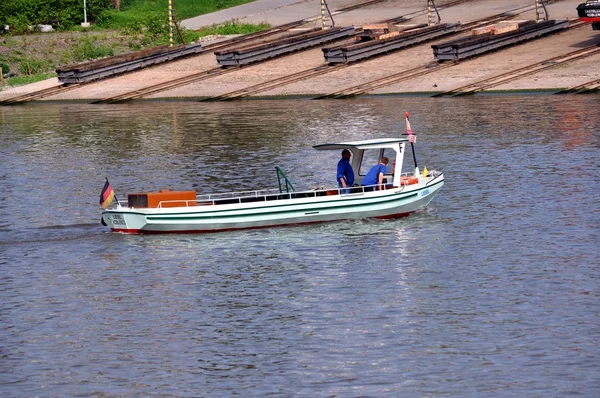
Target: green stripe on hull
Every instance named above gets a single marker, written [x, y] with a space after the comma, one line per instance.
[263, 211]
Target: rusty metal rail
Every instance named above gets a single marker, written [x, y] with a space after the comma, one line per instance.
[584, 88]
[346, 53]
[211, 47]
[250, 54]
[196, 77]
[279, 82]
[125, 57]
[47, 92]
[519, 73]
[473, 45]
[361, 89]
[94, 70]
[386, 81]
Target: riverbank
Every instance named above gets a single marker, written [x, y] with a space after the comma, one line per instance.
[465, 72]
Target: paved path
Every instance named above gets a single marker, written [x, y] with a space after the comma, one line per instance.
[258, 7]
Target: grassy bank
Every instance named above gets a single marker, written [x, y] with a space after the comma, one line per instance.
[138, 24]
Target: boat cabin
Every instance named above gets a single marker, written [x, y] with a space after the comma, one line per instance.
[367, 153]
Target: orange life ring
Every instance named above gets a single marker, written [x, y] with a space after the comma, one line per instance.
[408, 180]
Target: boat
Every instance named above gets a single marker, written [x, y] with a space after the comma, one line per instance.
[590, 12]
[401, 194]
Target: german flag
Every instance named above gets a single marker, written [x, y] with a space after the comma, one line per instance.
[107, 195]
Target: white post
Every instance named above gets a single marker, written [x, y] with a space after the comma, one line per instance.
[85, 23]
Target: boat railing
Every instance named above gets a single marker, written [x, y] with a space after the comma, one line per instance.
[176, 203]
[274, 194]
[288, 184]
[264, 195]
[237, 194]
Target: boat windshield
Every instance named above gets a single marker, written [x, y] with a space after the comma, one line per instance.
[371, 157]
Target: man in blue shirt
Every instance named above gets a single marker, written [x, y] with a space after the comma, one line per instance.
[375, 175]
[345, 174]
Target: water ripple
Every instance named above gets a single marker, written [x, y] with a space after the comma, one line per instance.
[491, 291]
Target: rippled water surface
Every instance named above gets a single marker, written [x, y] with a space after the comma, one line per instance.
[491, 291]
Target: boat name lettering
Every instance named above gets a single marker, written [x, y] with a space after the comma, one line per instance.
[425, 192]
[117, 219]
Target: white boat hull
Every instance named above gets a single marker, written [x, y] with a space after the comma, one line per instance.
[389, 203]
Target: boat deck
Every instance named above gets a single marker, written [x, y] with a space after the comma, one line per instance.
[275, 194]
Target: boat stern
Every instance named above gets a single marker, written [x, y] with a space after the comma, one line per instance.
[119, 220]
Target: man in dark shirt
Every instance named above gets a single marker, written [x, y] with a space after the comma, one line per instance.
[345, 174]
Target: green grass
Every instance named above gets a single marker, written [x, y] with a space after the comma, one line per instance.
[21, 80]
[233, 28]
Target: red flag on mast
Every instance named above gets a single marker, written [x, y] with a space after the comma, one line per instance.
[411, 136]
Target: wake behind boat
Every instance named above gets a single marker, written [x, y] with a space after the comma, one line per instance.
[185, 211]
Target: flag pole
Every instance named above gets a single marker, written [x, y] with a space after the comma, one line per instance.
[114, 195]
[412, 146]
[116, 199]
[411, 140]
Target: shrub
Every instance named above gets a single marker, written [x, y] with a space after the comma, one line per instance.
[20, 24]
[32, 66]
[62, 14]
[4, 68]
[233, 27]
[88, 48]
[65, 58]
[157, 24]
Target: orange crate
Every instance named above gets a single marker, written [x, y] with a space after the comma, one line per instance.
[168, 199]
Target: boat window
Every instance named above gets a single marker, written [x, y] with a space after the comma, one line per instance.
[371, 158]
[391, 155]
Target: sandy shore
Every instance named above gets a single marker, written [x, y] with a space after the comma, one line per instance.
[284, 11]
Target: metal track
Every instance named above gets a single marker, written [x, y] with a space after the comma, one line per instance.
[357, 90]
[20, 99]
[352, 52]
[217, 71]
[237, 56]
[107, 67]
[253, 36]
[196, 77]
[519, 73]
[584, 88]
[386, 81]
[222, 44]
[282, 81]
[470, 46]
[398, 77]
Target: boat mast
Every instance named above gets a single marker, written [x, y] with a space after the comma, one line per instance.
[412, 138]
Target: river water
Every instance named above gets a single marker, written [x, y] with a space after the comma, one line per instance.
[491, 291]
